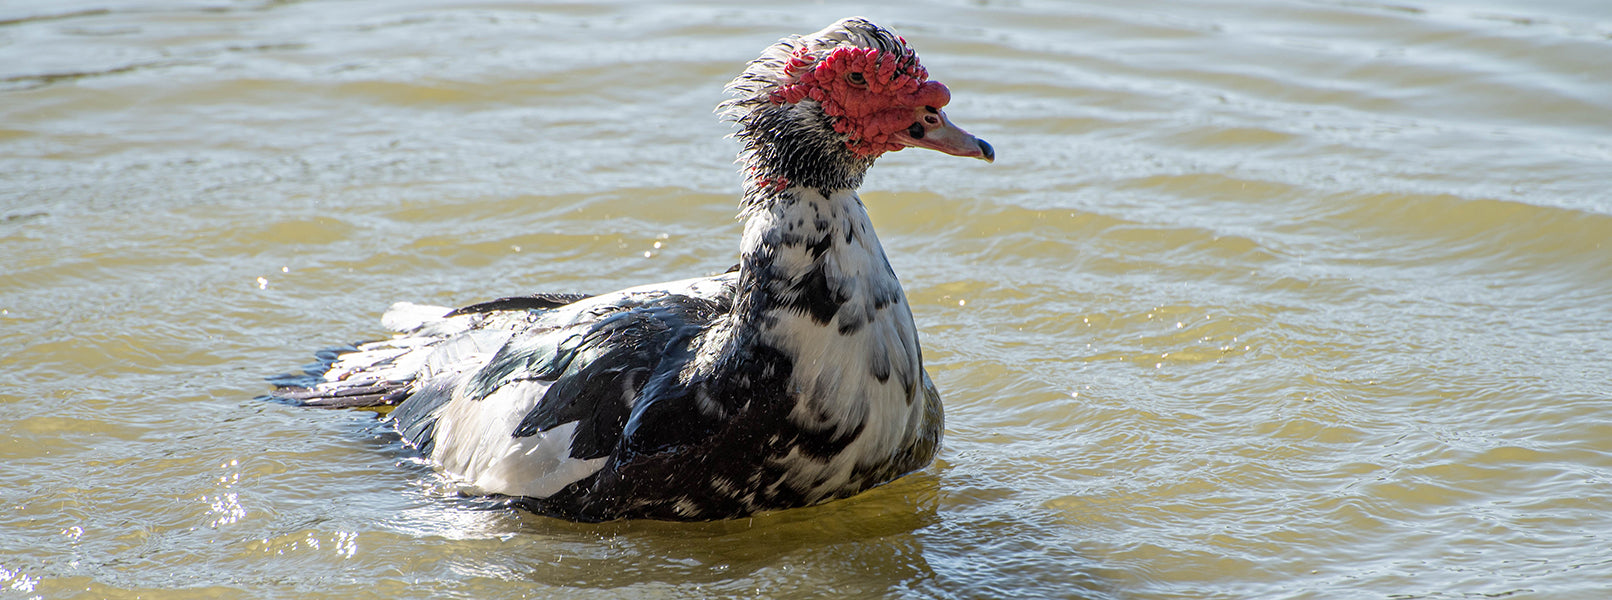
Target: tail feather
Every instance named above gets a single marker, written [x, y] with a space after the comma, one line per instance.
[381, 394]
[436, 348]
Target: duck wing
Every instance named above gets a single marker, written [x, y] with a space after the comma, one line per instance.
[519, 396]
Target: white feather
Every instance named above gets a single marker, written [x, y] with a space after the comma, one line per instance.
[408, 316]
[473, 443]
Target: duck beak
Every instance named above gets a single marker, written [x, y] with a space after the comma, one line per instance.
[931, 129]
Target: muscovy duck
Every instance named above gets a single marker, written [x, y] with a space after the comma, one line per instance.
[791, 380]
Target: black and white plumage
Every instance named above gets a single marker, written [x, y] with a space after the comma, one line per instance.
[794, 379]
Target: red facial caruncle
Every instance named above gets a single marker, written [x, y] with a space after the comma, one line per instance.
[873, 96]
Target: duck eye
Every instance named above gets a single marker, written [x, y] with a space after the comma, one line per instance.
[856, 79]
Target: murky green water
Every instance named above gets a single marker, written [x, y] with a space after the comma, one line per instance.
[1262, 299]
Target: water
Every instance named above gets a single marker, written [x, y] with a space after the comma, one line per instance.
[1262, 299]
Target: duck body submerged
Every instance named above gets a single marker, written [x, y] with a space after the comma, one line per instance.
[792, 380]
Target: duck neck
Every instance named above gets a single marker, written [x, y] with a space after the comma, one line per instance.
[815, 285]
[790, 146]
[809, 259]
[815, 293]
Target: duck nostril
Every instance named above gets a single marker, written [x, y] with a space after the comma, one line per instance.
[931, 120]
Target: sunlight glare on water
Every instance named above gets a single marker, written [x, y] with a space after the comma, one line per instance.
[1262, 299]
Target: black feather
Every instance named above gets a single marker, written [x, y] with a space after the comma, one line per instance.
[622, 353]
[532, 302]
